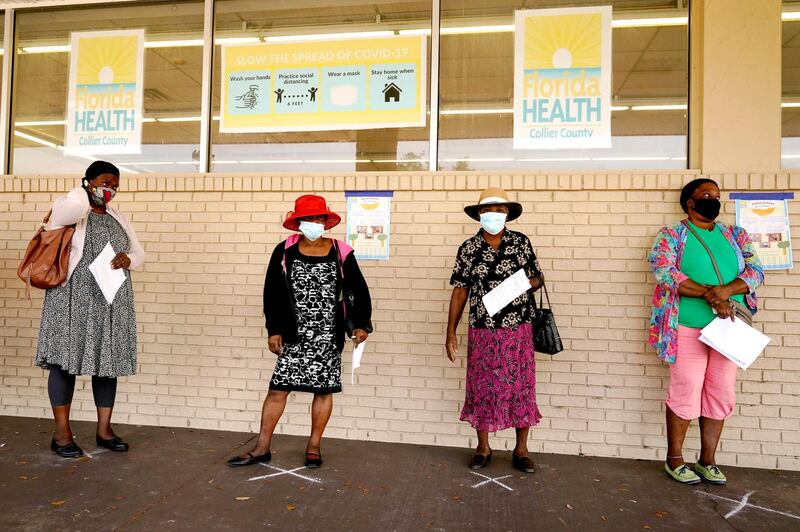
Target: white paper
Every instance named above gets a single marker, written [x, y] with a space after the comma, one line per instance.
[357, 352]
[734, 339]
[506, 292]
[108, 279]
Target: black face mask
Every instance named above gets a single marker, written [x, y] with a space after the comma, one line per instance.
[708, 208]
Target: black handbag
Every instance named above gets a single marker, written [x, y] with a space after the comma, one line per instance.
[740, 311]
[545, 333]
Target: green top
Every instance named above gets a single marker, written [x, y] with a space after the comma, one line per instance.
[696, 264]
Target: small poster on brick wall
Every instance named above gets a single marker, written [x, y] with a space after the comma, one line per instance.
[368, 216]
[765, 216]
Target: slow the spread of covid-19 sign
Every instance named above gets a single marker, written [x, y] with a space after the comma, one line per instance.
[324, 85]
[562, 78]
[104, 103]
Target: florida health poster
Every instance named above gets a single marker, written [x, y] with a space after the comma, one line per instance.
[562, 78]
[104, 104]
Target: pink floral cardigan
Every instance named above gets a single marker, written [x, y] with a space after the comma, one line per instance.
[665, 258]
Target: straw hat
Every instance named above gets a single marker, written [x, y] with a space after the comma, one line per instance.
[494, 196]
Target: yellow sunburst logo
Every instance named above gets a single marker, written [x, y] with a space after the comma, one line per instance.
[104, 60]
[563, 41]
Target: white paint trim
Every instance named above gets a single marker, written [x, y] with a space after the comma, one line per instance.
[433, 137]
[204, 157]
[5, 91]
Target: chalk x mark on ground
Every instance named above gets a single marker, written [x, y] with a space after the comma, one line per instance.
[491, 480]
[742, 504]
[285, 472]
[92, 455]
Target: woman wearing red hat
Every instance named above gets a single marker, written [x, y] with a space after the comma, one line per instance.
[314, 295]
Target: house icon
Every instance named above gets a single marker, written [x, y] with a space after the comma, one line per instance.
[391, 93]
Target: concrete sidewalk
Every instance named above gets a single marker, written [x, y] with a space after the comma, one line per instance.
[176, 479]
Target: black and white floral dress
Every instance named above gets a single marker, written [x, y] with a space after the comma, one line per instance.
[313, 363]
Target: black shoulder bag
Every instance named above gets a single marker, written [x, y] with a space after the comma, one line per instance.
[740, 311]
[545, 333]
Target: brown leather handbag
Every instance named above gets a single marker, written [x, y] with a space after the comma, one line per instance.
[46, 260]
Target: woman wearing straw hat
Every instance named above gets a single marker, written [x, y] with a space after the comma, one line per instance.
[501, 370]
[306, 317]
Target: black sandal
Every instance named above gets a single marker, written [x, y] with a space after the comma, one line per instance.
[313, 462]
[241, 461]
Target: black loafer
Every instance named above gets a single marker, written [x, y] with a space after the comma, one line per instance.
[239, 461]
[480, 460]
[114, 444]
[523, 463]
[311, 461]
[68, 450]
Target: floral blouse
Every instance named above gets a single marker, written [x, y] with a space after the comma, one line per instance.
[479, 269]
[665, 258]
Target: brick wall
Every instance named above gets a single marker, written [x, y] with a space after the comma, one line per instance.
[202, 346]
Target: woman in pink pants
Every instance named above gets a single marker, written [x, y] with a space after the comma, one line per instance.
[688, 296]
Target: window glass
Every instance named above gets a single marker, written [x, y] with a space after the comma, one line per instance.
[342, 149]
[790, 105]
[171, 99]
[650, 64]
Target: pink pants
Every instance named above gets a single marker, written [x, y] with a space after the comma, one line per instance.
[702, 381]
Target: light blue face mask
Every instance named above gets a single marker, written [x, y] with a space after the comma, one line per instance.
[312, 230]
[493, 222]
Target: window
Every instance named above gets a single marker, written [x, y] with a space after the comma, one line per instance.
[650, 63]
[338, 150]
[172, 77]
[790, 106]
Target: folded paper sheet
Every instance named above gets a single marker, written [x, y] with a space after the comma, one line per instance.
[357, 352]
[506, 292]
[734, 339]
[108, 279]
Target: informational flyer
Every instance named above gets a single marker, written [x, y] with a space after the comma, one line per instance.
[324, 85]
[104, 101]
[765, 216]
[562, 78]
[368, 215]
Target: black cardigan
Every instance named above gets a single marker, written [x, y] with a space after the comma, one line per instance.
[279, 311]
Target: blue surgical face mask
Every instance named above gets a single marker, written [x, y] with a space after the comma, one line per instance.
[493, 222]
[312, 230]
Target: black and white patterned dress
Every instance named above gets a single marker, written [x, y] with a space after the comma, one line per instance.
[313, 364]
[80, 332]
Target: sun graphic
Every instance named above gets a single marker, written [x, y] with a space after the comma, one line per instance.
[563, 41]
[107, 60]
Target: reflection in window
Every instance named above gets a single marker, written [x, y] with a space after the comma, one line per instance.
[172, 78]
[790, 152]
[341, 150]
[649, 88]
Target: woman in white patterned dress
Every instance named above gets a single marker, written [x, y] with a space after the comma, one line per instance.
[81, 333]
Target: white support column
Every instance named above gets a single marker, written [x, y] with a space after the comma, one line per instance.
[6, 131]
[205, 97]
[434, 116]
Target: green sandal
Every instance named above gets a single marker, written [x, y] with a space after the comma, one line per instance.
[682, 474]
[711, 474]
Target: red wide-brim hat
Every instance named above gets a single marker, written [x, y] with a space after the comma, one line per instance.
[310, 205]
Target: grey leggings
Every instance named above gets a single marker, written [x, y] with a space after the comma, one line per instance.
[61, 386]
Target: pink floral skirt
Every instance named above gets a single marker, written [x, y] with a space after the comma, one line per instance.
[501, 379]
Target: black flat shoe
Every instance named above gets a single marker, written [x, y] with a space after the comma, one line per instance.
[114, 444]
[523, 463]
[311, 461]
[68, 450]
[480, 460]
[239, 461]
